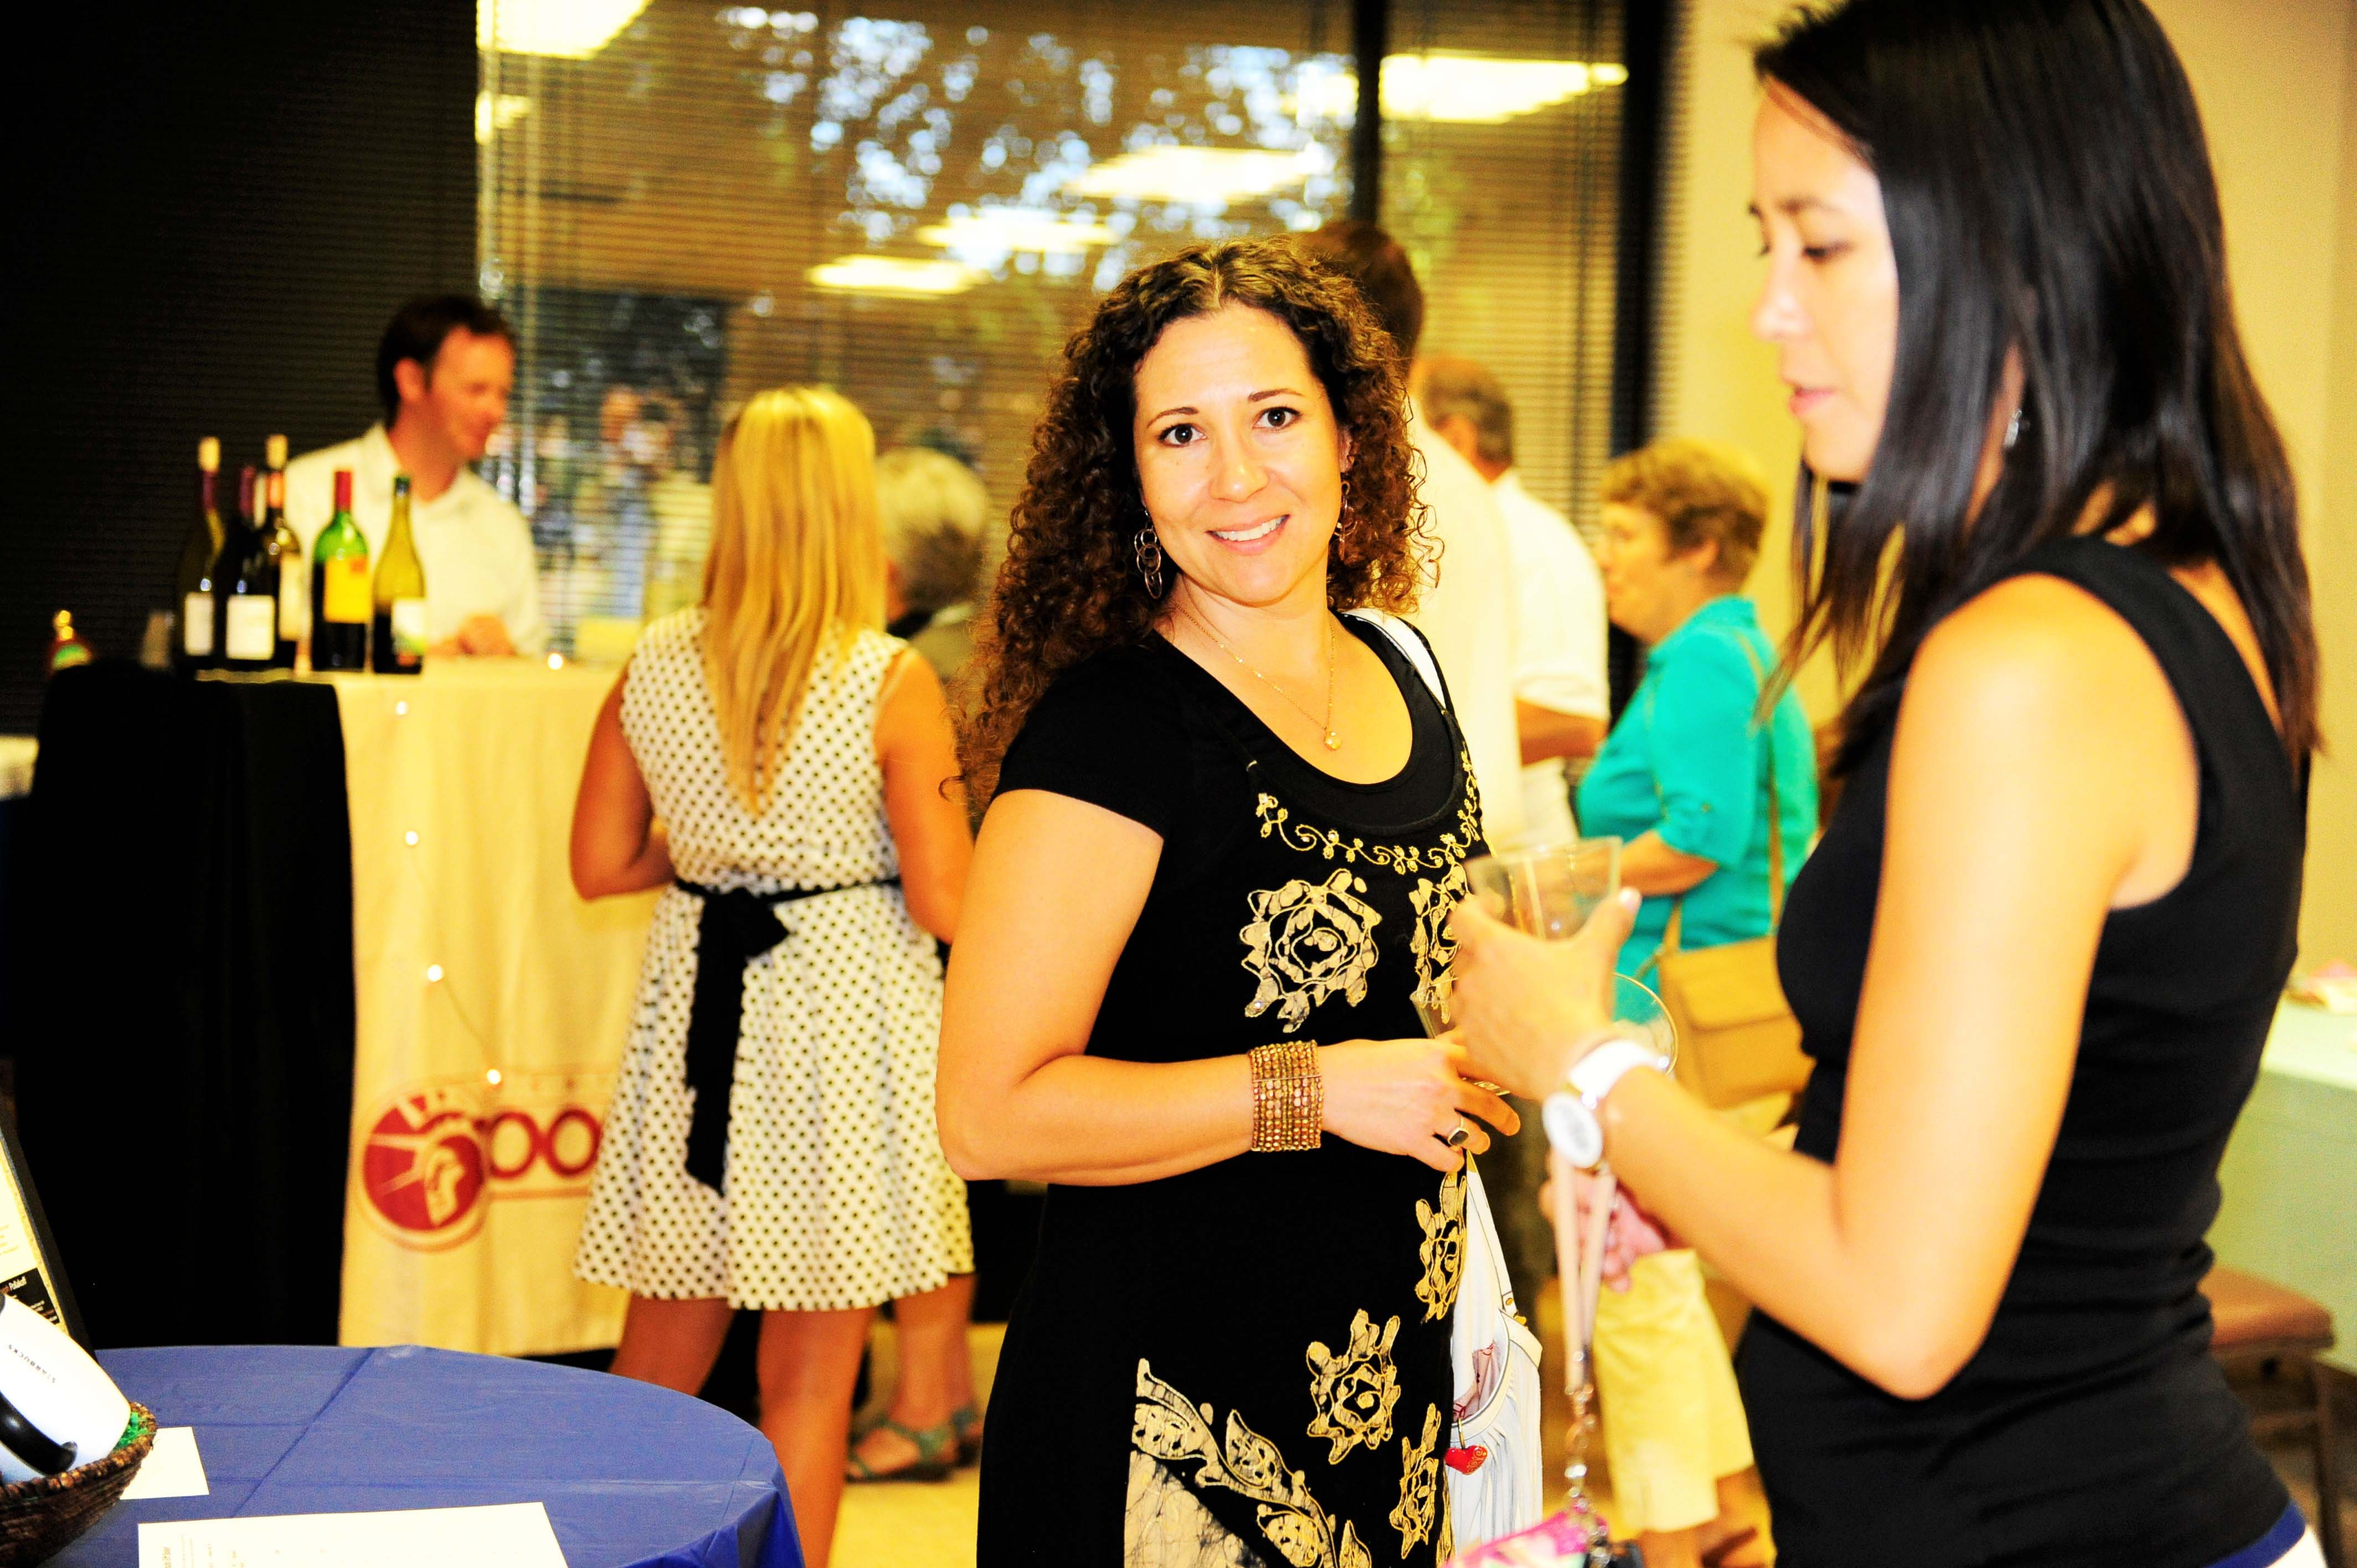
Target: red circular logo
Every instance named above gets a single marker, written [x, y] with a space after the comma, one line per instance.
[423, 1166]
[440, 1153]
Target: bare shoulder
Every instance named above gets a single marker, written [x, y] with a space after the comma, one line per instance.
[2035, 648]
[2035, 714]
[909, 700]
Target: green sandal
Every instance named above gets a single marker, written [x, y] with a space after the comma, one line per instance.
[968, 1422]
[937, 1449]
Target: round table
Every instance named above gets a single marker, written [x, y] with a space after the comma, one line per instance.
[633, 1476]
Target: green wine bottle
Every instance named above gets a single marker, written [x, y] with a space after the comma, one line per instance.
[397, 643]
[339, 587]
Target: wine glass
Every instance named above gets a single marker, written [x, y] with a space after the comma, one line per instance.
[1550, 890]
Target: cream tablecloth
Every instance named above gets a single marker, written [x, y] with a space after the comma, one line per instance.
[2290, 1174]
[491, 1008]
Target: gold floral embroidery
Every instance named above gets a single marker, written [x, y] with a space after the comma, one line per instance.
[1308, 940]
[1355, 1390]
[1419, 1483]
[1168, 1429]
[1434, 950]
[1454, 845]
[1443, 1253]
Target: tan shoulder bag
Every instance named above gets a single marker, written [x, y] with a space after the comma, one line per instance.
[1738, 1040]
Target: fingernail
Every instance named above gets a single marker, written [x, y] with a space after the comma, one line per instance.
[1630, 898]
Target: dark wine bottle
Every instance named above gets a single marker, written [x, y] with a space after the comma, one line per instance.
[192, 585]
[245, 584]
[339, 587]
[286, 554]
[397, 642]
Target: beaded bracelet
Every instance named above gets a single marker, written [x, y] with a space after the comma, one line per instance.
[1288, 1097]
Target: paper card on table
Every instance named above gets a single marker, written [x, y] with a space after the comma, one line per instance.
[506, 1535]
[172, 1469]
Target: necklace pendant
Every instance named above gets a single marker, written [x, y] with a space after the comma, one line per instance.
[1333, 741]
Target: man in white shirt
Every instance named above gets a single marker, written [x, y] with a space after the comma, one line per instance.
[1563, 698]
[443, 371]
[1469, 607]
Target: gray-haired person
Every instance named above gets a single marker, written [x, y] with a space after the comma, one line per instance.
[934, 513]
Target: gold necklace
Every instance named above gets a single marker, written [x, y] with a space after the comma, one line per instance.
[1326, 725]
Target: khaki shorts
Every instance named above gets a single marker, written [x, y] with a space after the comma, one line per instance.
[1672, 1422]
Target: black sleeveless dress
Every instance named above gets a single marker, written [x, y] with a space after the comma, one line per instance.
[1247, 1364]
[2092, 1427]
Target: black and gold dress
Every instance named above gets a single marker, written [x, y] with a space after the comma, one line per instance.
[1247, 1364]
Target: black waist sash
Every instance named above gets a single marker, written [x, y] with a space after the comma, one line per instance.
[733, 930]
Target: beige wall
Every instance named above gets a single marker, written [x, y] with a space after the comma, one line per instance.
[2278, 84]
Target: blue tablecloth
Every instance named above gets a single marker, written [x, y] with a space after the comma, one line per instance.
[632, 1474]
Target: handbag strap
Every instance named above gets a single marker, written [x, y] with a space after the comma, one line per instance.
[1670, 933]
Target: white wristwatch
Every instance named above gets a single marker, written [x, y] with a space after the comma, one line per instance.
[1573, 1114]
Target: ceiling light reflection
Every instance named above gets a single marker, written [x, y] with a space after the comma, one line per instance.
[1200, 174]
[1002, 231]
[894, 275]
[1465, 90]
[493, 115]
[562, 29]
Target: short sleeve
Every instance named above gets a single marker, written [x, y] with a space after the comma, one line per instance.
[1707, 749]
[1105, 733]
[1559, 656]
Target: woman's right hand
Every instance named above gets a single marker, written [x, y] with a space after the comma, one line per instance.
[1405, 1096]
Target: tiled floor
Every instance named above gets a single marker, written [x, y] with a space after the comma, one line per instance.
[931, 1525]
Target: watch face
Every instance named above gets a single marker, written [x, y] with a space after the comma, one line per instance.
[1573, 1128]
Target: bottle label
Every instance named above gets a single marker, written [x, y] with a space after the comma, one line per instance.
[252, 635]
[197, 625]
[290, 597]
[347, 592]
[409, 628]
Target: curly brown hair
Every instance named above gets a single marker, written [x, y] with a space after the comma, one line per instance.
[1070, 586]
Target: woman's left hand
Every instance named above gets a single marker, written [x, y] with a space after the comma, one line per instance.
[1521, 1005]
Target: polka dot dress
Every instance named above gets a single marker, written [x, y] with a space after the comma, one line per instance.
[836, 1193]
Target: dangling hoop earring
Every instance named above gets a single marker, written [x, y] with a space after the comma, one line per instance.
[1344, 523]
[1149, 548]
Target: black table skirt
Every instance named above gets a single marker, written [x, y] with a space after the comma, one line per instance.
[182, 1003]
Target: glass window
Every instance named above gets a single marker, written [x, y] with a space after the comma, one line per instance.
[682, 204]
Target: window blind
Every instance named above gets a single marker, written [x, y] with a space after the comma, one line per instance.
[1512, 221]
[918, 207]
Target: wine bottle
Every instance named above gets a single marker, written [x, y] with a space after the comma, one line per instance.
[287, 555]
[192, 585]
[339, 587]
[245, 584]
[398, 638]
[66, 647]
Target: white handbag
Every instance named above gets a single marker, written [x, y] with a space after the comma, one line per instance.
[1495, 1475]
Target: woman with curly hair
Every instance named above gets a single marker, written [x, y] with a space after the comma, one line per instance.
[1230, 818]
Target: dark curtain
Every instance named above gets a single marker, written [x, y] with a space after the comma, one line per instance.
[183, 1004]
[217, 207]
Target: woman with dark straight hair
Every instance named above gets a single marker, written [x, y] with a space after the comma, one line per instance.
[2036, 954]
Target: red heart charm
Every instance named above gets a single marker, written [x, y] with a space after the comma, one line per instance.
[1465, 1461]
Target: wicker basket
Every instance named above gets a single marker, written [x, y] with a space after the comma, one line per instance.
[42, 1517]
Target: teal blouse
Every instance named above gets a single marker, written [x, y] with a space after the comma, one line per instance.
[1687, 757]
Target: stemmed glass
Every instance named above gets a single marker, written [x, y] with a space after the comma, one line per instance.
[1549, 892]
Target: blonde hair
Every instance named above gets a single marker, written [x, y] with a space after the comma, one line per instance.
[796, 561]
[1703, 493]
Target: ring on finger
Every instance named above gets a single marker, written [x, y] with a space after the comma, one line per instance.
[1461, 1135]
